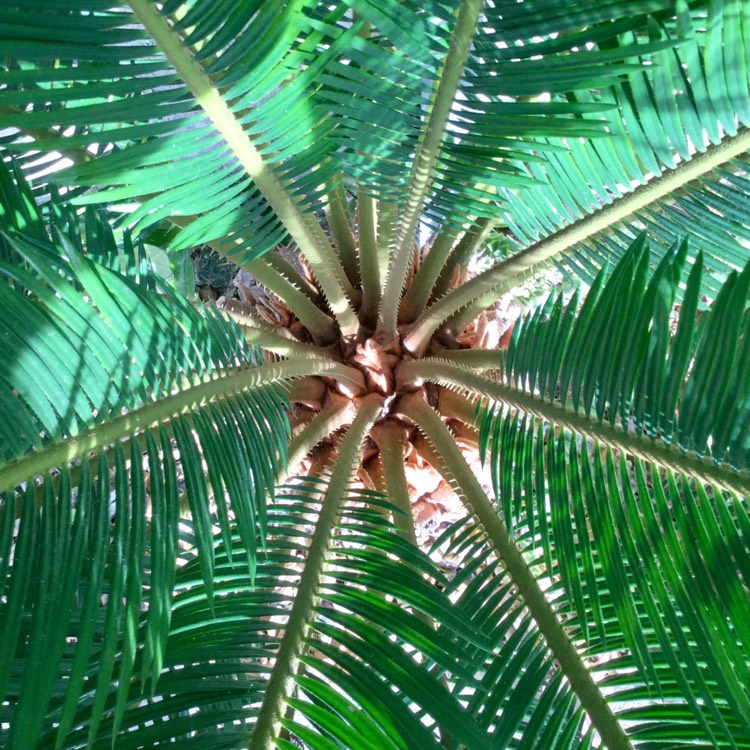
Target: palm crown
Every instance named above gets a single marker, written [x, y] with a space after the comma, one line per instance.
[166, 573]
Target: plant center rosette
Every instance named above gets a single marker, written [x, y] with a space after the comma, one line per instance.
[381, 361]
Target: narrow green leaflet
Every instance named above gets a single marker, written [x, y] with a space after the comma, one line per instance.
[688, 100]
[220, 646]
[87, 352]
[642, 531]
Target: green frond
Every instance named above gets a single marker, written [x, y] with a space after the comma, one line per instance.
[443, 454]
[647, 553]
[377, 631]
[94, 66]
[623, 358]
[18, 208]
[523, 702]
[644, 569]
[351, 89]
[76, 362]
[498, 115]
[100, 423]
[376, 95]
[517, 99]
[90, 231]
[220, 646]
[691, 96]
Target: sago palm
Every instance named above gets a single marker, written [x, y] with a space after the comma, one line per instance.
[168, 576]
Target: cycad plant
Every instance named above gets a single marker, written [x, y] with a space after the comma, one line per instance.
[206, 532]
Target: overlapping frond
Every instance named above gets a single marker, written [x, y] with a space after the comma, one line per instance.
[19, 211]
[73, 363]
[523, 701]
[96, 66]
[113, 398]
[90, 231]
[221, 646]
[497, 115]
[165, 107]
[641, 528]
[516, 100]
[687, 98]
[627, 355]
[379, 94]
